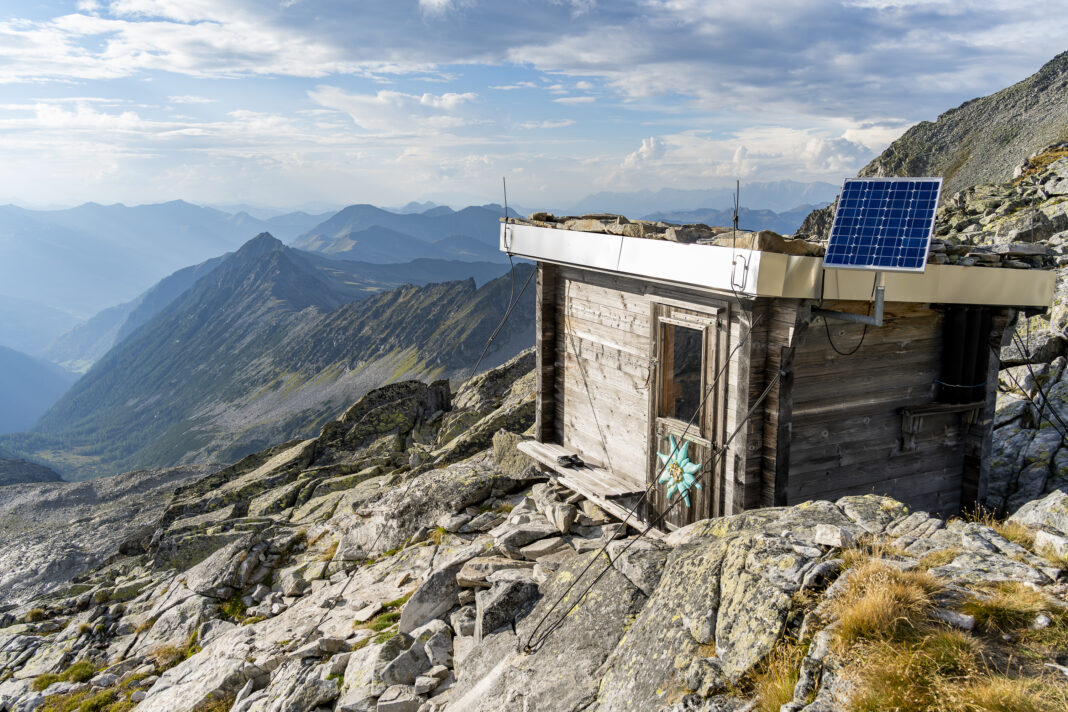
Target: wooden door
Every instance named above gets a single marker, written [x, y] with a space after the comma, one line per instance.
[687, 405]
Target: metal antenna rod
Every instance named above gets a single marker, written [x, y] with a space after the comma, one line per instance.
[507, 234]
[737, 196]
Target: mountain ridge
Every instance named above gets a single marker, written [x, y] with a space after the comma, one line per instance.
[264, 347]
[28, 388]
[983, 139]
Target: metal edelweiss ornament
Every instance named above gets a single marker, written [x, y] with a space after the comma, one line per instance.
[679, 471]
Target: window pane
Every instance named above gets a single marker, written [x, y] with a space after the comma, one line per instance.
[681, 379]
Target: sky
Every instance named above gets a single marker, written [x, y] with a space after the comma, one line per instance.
[293, 102]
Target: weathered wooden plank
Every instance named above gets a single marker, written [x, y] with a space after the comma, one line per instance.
[605, 336]
[779, 469]
[545, 352]
[901, 483]
[861, 471]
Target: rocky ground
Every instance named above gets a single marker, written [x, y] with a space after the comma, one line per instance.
[14, 472]
[51, 532]
[411, 559]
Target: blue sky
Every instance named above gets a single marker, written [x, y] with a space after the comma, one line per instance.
[288, 102]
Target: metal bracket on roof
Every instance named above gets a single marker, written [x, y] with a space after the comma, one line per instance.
[875, 319]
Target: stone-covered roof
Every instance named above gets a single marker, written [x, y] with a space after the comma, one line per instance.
[699, 233]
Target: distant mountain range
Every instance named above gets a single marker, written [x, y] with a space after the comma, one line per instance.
[77, 349]
[81, 347]
[88, 258]
[777, 196]
[28, 387]
[784, 223]
[371, 234]
[269, 344]
[30, 326]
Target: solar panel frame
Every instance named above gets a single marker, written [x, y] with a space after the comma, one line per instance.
[884, 224]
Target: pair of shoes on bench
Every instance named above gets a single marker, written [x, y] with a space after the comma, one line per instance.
[570, 461]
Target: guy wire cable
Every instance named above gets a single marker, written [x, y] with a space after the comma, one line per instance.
[507, 313]
[532, 644]
[654, 480]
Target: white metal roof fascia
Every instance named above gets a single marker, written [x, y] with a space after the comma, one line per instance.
[699, 265]
[770, 274]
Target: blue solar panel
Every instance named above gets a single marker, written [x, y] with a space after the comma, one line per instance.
[884, 224]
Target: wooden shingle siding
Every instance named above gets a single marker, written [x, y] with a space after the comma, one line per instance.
[846, 428]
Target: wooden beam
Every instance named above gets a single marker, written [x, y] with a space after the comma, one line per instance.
[545, 352]
[784, 421]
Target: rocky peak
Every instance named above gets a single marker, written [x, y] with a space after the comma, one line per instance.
[982, 139]
[262, 244]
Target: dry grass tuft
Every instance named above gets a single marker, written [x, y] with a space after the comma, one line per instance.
[882, 603]
[1017, 533]
[1053, 557]
[911, 677]
[777, 676]
[901, 659]
[1010, 606]
[437, 536]
[1001, 694]
[328, 552]
[938, 558]
[1040, 162]
[869, 548]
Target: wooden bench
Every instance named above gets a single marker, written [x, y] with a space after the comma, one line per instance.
[592, 482]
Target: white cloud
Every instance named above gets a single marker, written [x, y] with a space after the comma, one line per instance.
[546, 124]
[575, 100]
[393, 112]
[190, 99]
[440, 7]
[513, 87]
[651, 151]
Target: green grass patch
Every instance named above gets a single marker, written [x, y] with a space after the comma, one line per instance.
[383, 621]
[78, 672]
[386, 636]
[233, 609]
[397, 602]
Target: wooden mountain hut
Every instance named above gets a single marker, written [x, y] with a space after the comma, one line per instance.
[649, 335]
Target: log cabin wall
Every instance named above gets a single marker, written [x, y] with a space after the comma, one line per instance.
[597, 377]
[846, 424]
[830, 424]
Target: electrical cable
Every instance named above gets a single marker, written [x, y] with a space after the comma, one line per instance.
[1063, 430]
[863, 333]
